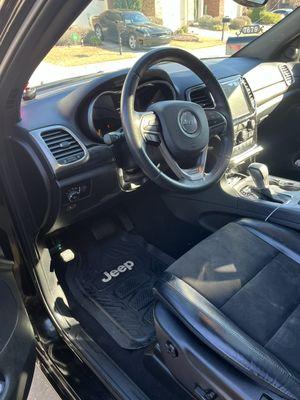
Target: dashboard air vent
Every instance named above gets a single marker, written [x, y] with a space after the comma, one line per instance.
[250, 93]
[202, 97]
[63, 146]
[287, 74]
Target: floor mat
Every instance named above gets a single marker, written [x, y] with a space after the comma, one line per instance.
[113, 281]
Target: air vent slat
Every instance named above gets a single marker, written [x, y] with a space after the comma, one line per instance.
[55, 133]
[56, 152]
[71, 153]
[250, 93]
[286, 74]
[63, 146]
[53, 142]
[202, 97]
[58, 145]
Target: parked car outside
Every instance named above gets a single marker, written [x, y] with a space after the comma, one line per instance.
[283, 11]
[136, 29]
[236, 43]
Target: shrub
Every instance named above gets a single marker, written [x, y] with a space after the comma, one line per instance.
[255, 14]
[212, 23]
[75, 34]
[181, 31]
[264, 17]
[129, 4]
[239, 22]
[72, 36]
[206, 21]
[268, 18]
[217, 21]
[217, 27]
[90, 39]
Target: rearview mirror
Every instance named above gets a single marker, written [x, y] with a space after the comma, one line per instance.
[251, 3]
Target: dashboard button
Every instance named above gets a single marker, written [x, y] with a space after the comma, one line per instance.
[73, 194]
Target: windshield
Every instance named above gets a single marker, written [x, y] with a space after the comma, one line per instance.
[112, 34]
[135, 18]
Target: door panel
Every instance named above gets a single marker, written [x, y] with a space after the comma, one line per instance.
[17, 349]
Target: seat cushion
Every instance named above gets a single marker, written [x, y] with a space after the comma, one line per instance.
[243, 286]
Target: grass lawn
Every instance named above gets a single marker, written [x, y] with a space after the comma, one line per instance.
[78, 55]
[196, 45]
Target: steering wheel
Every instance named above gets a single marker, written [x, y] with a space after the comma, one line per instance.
[180, 129]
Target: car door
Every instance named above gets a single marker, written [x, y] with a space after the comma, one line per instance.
[17, 349]
[112, 19]
[17, 344]
[104, 22]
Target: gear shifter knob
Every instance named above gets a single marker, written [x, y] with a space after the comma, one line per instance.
[260, 175]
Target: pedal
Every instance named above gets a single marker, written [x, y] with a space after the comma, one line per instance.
[103, 229]
[125, 221]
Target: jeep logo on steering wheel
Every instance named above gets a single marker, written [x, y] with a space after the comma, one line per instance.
[188, 122]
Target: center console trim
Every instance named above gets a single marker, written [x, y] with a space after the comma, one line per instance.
[253, 151]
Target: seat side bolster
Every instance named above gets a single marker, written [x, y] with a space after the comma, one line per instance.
[285, 240]
[214, 329]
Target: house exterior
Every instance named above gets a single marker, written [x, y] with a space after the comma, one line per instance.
[221, 8]
[176, 13]
[95, 7]
[171, 13]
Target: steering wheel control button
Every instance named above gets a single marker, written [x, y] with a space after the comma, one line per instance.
[188, 122]
[150, 122]
[151, 129]
[152, 138]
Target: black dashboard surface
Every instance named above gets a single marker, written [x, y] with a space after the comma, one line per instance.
[66, 104]
[58, 103]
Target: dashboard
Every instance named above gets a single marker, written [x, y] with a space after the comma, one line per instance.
[104, 109]
[60, 144]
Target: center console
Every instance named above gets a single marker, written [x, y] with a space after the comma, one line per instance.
[243, 109]
[278, 199]
[240, 193]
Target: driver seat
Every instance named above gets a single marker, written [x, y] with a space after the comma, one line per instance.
[227, 315]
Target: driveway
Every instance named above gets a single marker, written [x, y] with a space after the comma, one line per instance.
[206, 33]
[46, 73]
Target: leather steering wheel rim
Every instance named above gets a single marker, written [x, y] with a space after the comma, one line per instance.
[192, 179]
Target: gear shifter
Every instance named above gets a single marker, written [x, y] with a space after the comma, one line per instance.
[260, 175]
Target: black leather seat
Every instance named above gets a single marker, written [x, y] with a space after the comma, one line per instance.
[238, 293]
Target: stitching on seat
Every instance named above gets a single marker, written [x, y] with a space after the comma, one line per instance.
[278, 363]
[252, 278]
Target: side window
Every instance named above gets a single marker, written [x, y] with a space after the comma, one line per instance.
[118, 17]
[111, 16]
[103, 16]
[115, 17]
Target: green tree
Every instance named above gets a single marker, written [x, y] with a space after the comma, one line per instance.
[255, 13]
[129, 4]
